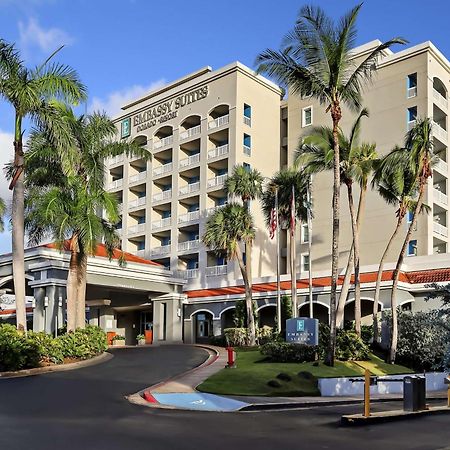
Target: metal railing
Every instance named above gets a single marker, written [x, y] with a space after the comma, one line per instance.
[218, 151]
[165, 168]
[137, 177]
[219, 122]
[186, 134]
[193, 159]
[215, 271]
[139, 228]
[164, 142]
[161, 250]
[439, 99]
[138, 202]
[440, 229]
[189, 188]
[217, 181]
[188, 245]
[189, 217]
[163, 195]
[161, 223]
[440, 197]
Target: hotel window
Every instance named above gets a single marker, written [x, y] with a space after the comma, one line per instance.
[307, 116]
[165, 241]
[141, 245]
[411, 85]
[247, 167]
[141, 219]
[305, 263]
[305, 233]
[247, 144]
[412, 247]
[192, 264]
[409, 216]
[411, 116]
[247, 115]
[166, 214]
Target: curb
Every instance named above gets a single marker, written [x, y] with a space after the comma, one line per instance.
[105, 356]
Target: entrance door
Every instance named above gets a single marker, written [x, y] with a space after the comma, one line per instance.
[203, 327]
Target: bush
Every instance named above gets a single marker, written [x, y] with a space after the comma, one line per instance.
[264, 334]
[236, 337]
[287, 352]
[50, 349]
[83, 343]
[219, 341]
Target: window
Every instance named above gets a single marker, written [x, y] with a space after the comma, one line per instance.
[166, 241]
[305, 263]
[223, 171]
[141, 245]
[412, 247]
[305, 233]
[222, 201]
[247, 167]
[412, 114]
[194, 179]
[247, 111]
[192, 264]
[409, 216]
[166, 214]
[411, 85]
[307, 116]
[193, 208]
[247, 144]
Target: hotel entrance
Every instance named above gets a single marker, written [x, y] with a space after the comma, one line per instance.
[203, 327]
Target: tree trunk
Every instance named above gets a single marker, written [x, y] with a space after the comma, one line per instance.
[72, 291]
[396, 275]
[80, 320]
[18, 232]
[293, 258]
[336, 116]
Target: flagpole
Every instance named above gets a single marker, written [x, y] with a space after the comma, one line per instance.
[278, 263]
[293, 256]
[308, 193]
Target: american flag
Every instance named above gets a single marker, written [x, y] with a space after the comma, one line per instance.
[292, 222]
[273, 222]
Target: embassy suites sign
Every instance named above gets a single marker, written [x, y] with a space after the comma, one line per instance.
[166, 110]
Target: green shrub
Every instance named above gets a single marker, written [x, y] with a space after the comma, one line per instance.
[236, 337]
[49, 348]
[219, 341]
[83, 343]
[287, 352]
[264, 334]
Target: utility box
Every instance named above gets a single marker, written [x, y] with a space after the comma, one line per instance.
[414, 393]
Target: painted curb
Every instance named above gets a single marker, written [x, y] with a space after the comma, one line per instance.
[57, 367]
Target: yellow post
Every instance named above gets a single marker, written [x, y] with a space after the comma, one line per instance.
[367, 393]
[448, 396]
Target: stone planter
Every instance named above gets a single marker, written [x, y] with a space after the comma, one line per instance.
[141, 342]
[118, 342]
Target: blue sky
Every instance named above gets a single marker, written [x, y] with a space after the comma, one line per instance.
[121, 49]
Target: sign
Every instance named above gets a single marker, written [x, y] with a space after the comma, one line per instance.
[125, 129]
[302, 330]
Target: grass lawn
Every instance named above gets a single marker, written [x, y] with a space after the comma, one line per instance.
[253, 372]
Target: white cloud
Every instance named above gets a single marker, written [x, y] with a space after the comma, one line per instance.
[113, 103]
[32, 36]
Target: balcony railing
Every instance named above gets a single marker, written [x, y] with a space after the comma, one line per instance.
[247, 150]
[161, 250]
[141, 253]
[190, 132]
[440, 229]
[247, 121]
[218, 151]
[137, 203]
[164, 142]
[187, 274]
[166, 168]
[189, 188]
[120, 207]
[116, 159]
[442, 166]
[161, 223]
[163, 195]
[191, 160]
[412, 92]
[188, 245]
[440, 133]
[141, 176]
[116, 184]
[213, 209]
[139, 228]
[439, 99]
[440, 197]
[217, 181]
[215, 271]
[219, 122]
[189, 217]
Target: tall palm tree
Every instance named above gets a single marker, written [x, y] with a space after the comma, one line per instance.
[316, 59]
[226, 230]
[30, 93]
[420, 158]
[285, 182]
[246, 183]
[68, 207]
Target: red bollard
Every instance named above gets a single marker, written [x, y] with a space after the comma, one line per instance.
[231, 357]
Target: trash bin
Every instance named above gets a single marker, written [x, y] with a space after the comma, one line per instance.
[414, 388]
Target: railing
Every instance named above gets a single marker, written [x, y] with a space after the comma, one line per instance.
[116, 159]
[442, 166]
[139, 228]
[439, 132]
[247, 121]
[187, 274]
[440, 229]
[162, 169]
[439, 99]
[440, 197]
[163, 195]
[213, 209]
[120, 207]
[161, 250]
[412, 92]
[190, 132]
[140, 253]
[189, 188]
[188, 245]
[218, 151]
[161, 223]
[138, 177]
[116, 184]
[247, 150]
[219, 122]
[138, 202]
[217, 181]
[164, 142]
[411, 124]
[193, 159]
[215, 271]
[189, 217]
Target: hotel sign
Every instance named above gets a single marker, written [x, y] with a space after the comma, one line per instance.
[167, 110]
[302, 330]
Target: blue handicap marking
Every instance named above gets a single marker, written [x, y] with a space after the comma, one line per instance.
[200, 401]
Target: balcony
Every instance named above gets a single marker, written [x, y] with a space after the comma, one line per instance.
[440, 133]
[118, 159]
[120, 207]
[440, 197]
[190, 161]
[137, 203]
[161, 170]
[442, 166]
[219, 122]
[161, 223]
[136, 178]
[217, 181]
[188, 245]
[189, 217]
[213, 209]
[247, 121]
[218, 151]
[187, 274]
[162, 143]
[116, 184]
[215, 271]
[440, 229]
[440, 100]
[189, 188]
[190, 132]
[161, 250]
[161, 196]
[141, 253]
[247, 150]
[134, 229]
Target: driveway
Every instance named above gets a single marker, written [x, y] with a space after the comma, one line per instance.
[86, 409]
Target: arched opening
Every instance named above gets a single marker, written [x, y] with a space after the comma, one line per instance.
[320, 311]
[227, 318]
[218, 116]
[366, 311]
[163, 137]
[190, 127]
[439, 87]
[267, 316]
[203, 326]
[140, 140]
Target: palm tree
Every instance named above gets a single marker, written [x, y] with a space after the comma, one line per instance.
[397, 185]
[315, 154]
[30, 93]
[68, 208]
[285, 182]
[420, 158]
[246, 184]
[316, 59]
[228, 228]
